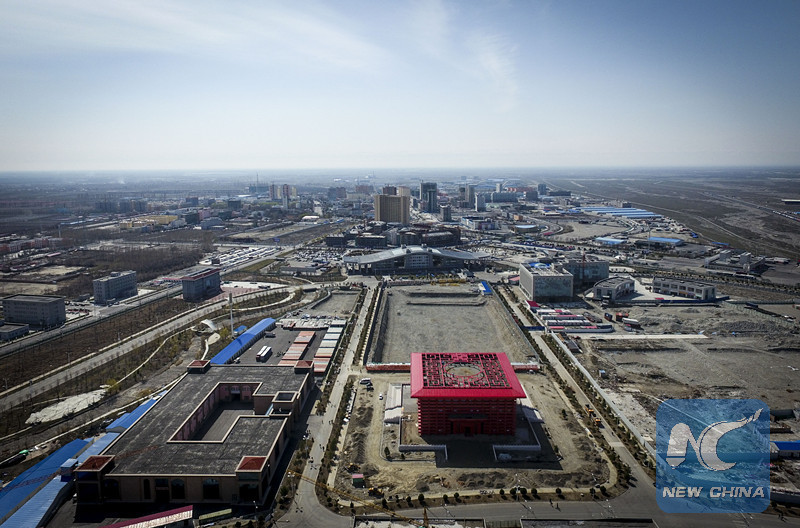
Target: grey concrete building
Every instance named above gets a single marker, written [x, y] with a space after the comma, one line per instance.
[613, 288]
[43, 311]
[693, 290]
[217, 437]
[201, 284]
[545, 283]
[118, 285]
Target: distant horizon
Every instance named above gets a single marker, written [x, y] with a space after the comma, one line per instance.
[369, 170]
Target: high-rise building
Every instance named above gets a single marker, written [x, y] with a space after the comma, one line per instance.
[391, 190]
[447, 213]
[480, 202]
[429, 194]
[542, 189]
[392, 209]
[404, 191]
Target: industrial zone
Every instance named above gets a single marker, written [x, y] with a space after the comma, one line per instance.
[435, 354]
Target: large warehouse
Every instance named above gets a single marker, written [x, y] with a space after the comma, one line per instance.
[465, 393]
[216, 437]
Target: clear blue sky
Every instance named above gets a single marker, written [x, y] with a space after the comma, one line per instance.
[166, 84]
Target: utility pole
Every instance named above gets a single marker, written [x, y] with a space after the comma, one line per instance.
[230, 302]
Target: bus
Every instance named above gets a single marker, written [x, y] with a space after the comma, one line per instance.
[264, 354]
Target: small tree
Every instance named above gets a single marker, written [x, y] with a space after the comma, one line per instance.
[445, 499]
[558, 491]
[502, 492]
[421, 498]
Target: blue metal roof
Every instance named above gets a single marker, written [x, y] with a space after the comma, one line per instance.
[29, 481]
[788, 446]
[128, 419]
[666, 240]
[98, 446]
[34, 511]
[241, 343]
[240, 330]
[609, 240]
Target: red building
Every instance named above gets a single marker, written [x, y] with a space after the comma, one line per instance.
[465, 393]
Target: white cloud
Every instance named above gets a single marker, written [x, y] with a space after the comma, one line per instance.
[262, 31]
[495, 57]
[430, 27]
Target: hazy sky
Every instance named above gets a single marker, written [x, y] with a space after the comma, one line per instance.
[88, 84]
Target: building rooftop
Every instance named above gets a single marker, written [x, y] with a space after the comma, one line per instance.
[410, 250]
[613, 281]
[200, 274]
[146, 447]
[463, 375]
[33, 298]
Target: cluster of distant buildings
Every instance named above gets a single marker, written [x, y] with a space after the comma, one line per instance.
[21, 312]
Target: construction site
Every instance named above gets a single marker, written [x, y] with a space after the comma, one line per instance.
[383, 453]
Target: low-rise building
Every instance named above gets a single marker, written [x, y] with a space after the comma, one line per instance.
[43, 311]
[217, 437]
[412, 259]
[11, 331]
[201, 284]
[613, 288]
[691, 289]
[545, 283]
[586, 272]
[118, 285]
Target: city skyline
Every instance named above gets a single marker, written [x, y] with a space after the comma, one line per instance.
[178, 85]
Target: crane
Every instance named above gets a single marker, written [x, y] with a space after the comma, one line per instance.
[347, 495]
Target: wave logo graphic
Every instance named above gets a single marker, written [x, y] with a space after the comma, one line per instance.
[705, 446]
[712, 456]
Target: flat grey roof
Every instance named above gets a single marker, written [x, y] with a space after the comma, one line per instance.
[33, 298]
[145, 448]
[613, 281]
[414, 250]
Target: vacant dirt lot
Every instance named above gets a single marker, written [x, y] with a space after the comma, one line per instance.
[444, 319]
[471, 465]
[744, 354]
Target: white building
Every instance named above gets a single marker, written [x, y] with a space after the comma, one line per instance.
[680, 288]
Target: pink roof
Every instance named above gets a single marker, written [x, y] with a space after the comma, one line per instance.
[463, 375]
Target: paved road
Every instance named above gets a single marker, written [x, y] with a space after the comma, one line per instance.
[306, 509]
[19, 394]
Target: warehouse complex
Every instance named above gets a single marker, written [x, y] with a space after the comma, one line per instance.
[216, 437]
[465, 393]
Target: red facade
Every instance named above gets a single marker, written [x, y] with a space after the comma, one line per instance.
[465, 393]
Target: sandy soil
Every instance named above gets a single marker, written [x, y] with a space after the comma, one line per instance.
[746, 355]
[471, 465]
[446, 319]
